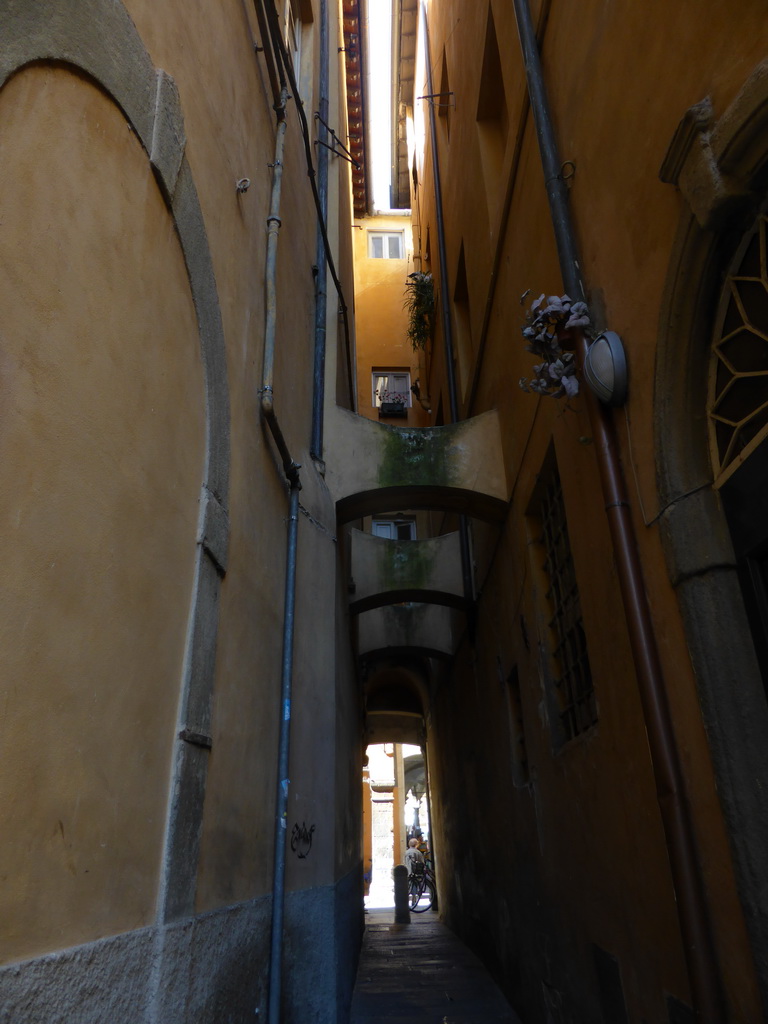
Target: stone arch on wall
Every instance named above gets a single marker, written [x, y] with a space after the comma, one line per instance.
[98, 39]
[720, 166]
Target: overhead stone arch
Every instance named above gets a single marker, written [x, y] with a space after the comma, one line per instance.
[396, 699]
[424, 630]
[389, 571]
[97, 38]
[378, 468]
[721, 168]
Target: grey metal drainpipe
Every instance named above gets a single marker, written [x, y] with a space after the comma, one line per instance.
[279, 47]
[466, 557]
[291, 470]
[273, 229]
[281, 802]
[321, 271]
[703, 970]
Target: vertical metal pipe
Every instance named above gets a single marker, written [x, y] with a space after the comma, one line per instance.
[704, 975]
[321, 275]
[292, 472]
[279, 46]
[270, 273]
[445, 313]
[281, 798]
[270, 296]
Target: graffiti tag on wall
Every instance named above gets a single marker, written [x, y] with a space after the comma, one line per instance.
[301, 840]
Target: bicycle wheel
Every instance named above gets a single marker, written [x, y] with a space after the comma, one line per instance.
[426, 896]
[416, 885]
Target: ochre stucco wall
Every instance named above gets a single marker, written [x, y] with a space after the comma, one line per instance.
[582, 848]
[381, 319]
[109, 377]
[102, 457]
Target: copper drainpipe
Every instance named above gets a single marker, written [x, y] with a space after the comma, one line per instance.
[703, 971]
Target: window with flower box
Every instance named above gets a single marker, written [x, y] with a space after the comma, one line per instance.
[391, 392]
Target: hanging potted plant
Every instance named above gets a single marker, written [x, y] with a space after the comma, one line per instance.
[420, 303]
[547, 330]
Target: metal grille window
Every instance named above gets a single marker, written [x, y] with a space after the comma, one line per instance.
[738, 386]
[573, 677]
[738, 420]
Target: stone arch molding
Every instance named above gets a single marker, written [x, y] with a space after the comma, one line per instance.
[99, 39]
[720, 166]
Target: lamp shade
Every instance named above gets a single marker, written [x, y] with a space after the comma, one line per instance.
[605, 368]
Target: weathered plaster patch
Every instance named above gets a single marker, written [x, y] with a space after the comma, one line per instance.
[417, 458]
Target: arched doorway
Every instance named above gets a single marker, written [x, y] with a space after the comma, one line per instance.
[396, 802]
[712, 458]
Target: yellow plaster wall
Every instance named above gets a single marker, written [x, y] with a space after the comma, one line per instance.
[615, 106]
[381, 320]
[101, 460]
[102, 432]
[230, 127]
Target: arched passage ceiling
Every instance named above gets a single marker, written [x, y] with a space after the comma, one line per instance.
[406, 594]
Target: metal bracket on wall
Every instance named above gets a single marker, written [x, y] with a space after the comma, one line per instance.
[436, 95]
[197, 739]
[343, 152]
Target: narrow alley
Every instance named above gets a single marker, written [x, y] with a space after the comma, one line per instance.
[419, 972]
[384, 475]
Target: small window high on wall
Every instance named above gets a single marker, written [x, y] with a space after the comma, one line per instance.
[386, 245]
[297, 32]
[395, 528]
[293, 35]
[390, 387]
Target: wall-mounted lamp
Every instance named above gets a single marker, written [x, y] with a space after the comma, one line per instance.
[605, 368]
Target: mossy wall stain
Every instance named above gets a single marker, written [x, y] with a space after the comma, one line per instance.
[403, 622]
[417, 457]
[406, 564]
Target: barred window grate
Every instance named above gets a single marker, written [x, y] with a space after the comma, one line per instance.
[576, 695]
[738, 380]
